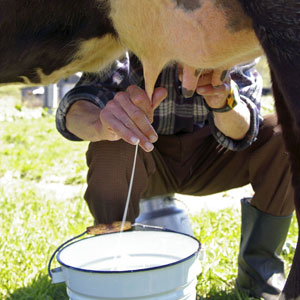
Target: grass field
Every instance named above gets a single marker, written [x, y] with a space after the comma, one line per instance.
[42, 181]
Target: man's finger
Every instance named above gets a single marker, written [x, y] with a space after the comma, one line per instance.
[209, 90]
[127, 134]
[139, 98]
[204, 79]
[133, 117]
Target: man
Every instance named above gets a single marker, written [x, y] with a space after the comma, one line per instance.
[200, 144]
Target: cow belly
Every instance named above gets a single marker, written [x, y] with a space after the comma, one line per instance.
[93, 55]
[209, 35]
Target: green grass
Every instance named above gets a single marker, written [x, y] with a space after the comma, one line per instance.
[219, 233]
[10, 91]
[263, 69]
[35, 218]
[33, 150]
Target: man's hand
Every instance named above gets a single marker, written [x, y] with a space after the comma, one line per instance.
[193, 80]
[127, 116]
[234, 123]
[215, 96]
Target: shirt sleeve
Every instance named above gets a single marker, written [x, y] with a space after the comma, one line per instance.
[250, 86]
[98, 88]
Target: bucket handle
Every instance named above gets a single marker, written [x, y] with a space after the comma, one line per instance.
[56, 274]
[58, 270]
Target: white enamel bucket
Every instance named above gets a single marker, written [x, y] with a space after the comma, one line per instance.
[155, 265]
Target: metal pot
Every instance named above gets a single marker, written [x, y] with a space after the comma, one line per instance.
[153, 264]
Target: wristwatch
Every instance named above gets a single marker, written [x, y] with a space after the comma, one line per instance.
[232, 99]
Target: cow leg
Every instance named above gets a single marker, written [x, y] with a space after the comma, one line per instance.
[291, 134]
[277, 28]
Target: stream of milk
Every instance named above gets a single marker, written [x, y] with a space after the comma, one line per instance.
[123, 260]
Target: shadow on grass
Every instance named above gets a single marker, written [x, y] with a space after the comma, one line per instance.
[225, 295]
[41, 288]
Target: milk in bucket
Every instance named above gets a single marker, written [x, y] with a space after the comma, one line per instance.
[157, 265]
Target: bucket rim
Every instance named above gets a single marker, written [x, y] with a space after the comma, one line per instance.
[195, 253]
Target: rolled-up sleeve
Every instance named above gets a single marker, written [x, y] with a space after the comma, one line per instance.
[98, 88]
[250, 86]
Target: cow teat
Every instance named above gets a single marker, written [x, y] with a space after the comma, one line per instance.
[151, 73]
[190, 77]
[195, 33]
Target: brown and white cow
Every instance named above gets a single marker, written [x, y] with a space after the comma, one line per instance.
[42, 41]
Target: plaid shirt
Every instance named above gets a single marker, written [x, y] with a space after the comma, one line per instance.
[175, 114]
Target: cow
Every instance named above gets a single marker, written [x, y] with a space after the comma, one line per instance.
[43, 41]
[277, 26]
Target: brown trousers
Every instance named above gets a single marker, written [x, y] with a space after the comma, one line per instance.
[192, 164]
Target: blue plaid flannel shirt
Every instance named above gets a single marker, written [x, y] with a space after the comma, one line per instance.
[175, 114]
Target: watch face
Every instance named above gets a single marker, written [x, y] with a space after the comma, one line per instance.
[233, 95]
[231, 101]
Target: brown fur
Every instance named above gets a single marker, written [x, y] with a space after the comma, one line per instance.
[235, 15]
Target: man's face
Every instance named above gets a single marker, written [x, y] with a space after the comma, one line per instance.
[199, 34]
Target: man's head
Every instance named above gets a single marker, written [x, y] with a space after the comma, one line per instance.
[199, 34]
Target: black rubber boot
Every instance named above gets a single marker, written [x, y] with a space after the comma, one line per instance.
[260, 269]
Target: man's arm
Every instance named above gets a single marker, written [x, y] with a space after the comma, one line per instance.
[110, 107]
[127, 116]
[249, 84]
[83, 121]
[233, 123]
